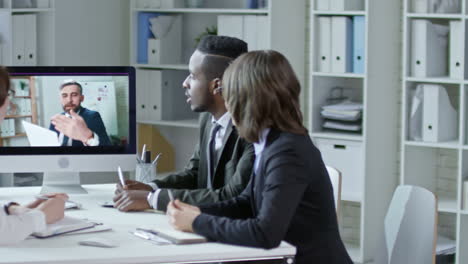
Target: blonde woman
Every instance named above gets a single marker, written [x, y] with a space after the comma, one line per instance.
[290, 196]
[16, 221]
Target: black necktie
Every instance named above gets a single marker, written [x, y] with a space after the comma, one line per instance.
[212, 154]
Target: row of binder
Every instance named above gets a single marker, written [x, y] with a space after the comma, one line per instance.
[341, 46]
[340, 5]
[157, 90]
[7, 128]
[250, 28]
[430, 45]
[432, 116]
[20, 106]
[24, 40]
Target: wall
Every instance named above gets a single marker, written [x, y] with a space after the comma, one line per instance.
[90, 32]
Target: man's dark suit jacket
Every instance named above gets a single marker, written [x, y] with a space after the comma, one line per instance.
[231, 174]
[94, 122]
[289, 198]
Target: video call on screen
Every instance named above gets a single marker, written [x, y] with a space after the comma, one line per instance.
[38, 97]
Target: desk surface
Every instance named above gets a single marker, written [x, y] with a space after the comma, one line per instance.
[65, 249]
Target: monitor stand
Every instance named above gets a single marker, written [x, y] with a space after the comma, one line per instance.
[65, 182]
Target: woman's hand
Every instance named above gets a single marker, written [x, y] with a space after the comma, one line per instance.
[182, 215]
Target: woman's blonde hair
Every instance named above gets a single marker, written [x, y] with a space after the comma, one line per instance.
[262, 91]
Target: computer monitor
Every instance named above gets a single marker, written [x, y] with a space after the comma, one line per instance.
[107, 107]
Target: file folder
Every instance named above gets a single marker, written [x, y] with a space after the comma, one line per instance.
[346, 5]
[166, 47]
[263, 33]
[341, 44]
[456, 50]
[19, 25]
[144, 33]
[439, 116]
[428, 49]
[324, 42]
[30, 45]
[358, 44]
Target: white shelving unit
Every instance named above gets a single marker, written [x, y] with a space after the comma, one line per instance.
[22, 45]
[368, 158]
[285, 22]
[441, 166]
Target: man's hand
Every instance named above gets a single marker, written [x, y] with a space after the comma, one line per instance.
[132, 185]
[74, 127]
[182, 215]
[53, 209]
[131, 200]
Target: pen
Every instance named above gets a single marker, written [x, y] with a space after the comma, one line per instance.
[156, 159]
[121, 177]
[143, 152]
[171, 196]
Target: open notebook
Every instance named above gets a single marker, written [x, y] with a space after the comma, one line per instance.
[66, 225]
[176, 237]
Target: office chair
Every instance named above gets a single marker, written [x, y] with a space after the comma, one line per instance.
[335, 178]
[410, 228]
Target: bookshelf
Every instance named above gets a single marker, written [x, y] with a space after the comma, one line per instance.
[181, 129]
[367, 158]
[437, 163]
[20, 22]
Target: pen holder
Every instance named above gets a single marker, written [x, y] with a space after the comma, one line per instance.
[145, 172]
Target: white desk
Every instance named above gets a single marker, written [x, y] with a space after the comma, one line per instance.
[65, 249]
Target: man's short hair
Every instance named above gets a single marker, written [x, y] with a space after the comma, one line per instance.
[220, 51]
[222, 46]
[71, 82]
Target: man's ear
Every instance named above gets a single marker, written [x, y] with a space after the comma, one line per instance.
[215, 86]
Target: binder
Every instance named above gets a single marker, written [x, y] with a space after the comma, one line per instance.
[428, 49]
[346, 5]
[167, 32]
[358, 44]
[142, 79]
[250, 32]
[30, 45]
[263, 33]
[421, 6]
[231, 26]
[341, 44]
[439, 116]
[19, 25]
[324, 42]
[456, 50]
[322, 5]
[155, 96]
[143, 34]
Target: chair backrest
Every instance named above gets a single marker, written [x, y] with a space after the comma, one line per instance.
[410, 228]
[335, 178]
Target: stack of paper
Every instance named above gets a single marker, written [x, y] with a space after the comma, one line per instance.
[445, 246]
[345, 116]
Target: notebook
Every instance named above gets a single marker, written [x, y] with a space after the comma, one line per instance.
[66, 225]
[176, 237]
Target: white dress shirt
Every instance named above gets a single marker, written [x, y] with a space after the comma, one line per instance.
[15, 228]
[70, 140]
[223, 121]
[259, 147]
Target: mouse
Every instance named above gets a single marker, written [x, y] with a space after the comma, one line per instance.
[98, 242]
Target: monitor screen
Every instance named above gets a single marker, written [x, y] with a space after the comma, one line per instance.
[102, 96]
[70, 119]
